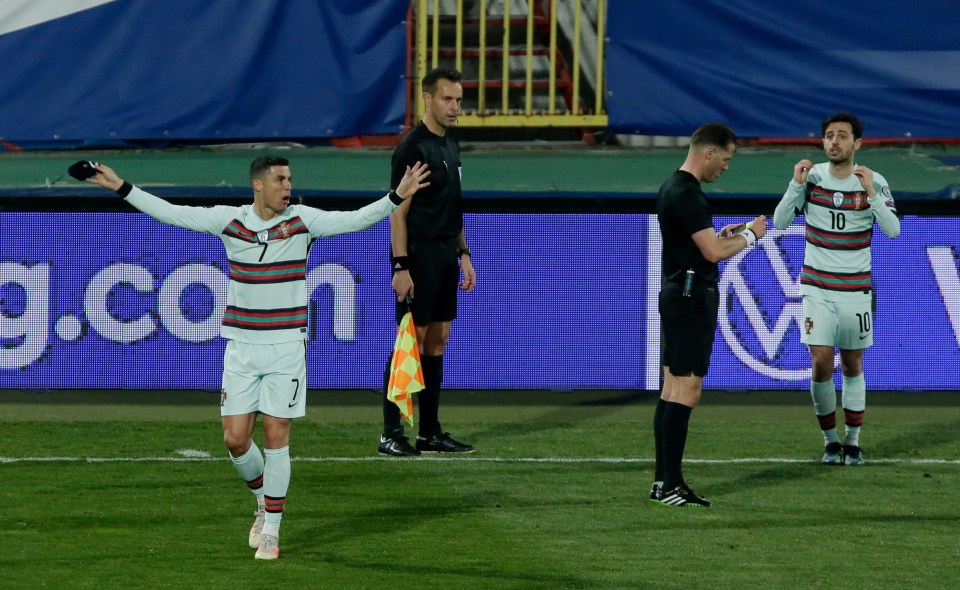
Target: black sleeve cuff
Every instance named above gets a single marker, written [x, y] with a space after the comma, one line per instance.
[124, 189]
[395, 198]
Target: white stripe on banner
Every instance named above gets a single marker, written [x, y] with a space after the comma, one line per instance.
[652, 370]
[20, 14]
[471, 459]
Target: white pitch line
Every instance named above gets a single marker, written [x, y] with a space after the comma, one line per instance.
[468, 459]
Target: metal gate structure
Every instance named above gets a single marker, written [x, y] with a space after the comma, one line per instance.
[525, 63]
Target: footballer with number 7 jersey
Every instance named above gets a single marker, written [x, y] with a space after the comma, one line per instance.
[265, 321]
[840, 201]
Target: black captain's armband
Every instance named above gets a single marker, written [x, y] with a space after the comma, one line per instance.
[124, 189]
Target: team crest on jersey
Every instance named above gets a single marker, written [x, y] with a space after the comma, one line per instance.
[808, 325]
[284, 229]
[857, 200]
[838, 199]
[263, 236]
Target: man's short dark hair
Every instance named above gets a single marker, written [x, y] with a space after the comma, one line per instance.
[843, 117]
[429, 84]
[713, 134]
[262, 165]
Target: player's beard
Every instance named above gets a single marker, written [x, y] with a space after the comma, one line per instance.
[840, 159]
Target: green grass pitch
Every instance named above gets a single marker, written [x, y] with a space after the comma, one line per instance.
[111, 490]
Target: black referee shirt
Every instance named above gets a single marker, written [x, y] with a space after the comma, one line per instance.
[437, 210]
[682, 210]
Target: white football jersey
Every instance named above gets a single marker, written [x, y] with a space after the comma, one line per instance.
[839, 228]
[267, 298]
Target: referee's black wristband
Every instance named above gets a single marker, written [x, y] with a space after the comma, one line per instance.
[399, 263]
[395, 198]
[124, 189]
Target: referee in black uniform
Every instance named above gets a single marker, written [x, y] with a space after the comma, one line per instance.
[428, 253]
[689, 300]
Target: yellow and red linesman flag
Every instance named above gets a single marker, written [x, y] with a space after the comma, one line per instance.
[406, 374]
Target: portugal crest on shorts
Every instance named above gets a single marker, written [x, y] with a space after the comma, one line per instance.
[838, 199]
[808, 325]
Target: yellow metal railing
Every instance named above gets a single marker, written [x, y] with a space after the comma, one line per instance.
[541, 39]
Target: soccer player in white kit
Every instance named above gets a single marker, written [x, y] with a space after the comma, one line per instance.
[265, 321]
[840, 201]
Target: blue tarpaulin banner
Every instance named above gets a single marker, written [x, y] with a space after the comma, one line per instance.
[776, 69]
[121, 70]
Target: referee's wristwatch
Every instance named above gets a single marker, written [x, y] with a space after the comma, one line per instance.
[464, 252]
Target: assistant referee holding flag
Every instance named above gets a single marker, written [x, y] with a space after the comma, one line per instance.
[689, 299]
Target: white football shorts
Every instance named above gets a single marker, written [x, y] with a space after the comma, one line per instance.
[847, 325]
[266, 378]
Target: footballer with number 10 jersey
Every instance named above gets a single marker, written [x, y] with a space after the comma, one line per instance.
[840, 201]
[839, 227]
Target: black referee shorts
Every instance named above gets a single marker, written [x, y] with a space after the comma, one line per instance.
[435, 270]
[688, 326]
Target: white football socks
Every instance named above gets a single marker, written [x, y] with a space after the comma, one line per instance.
[854, 398]
[824, 396]
[250, 468]
[276, 480]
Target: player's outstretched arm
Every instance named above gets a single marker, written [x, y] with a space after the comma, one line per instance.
[413, 180]
[106, 177]
[203, 219]
[331, 223]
